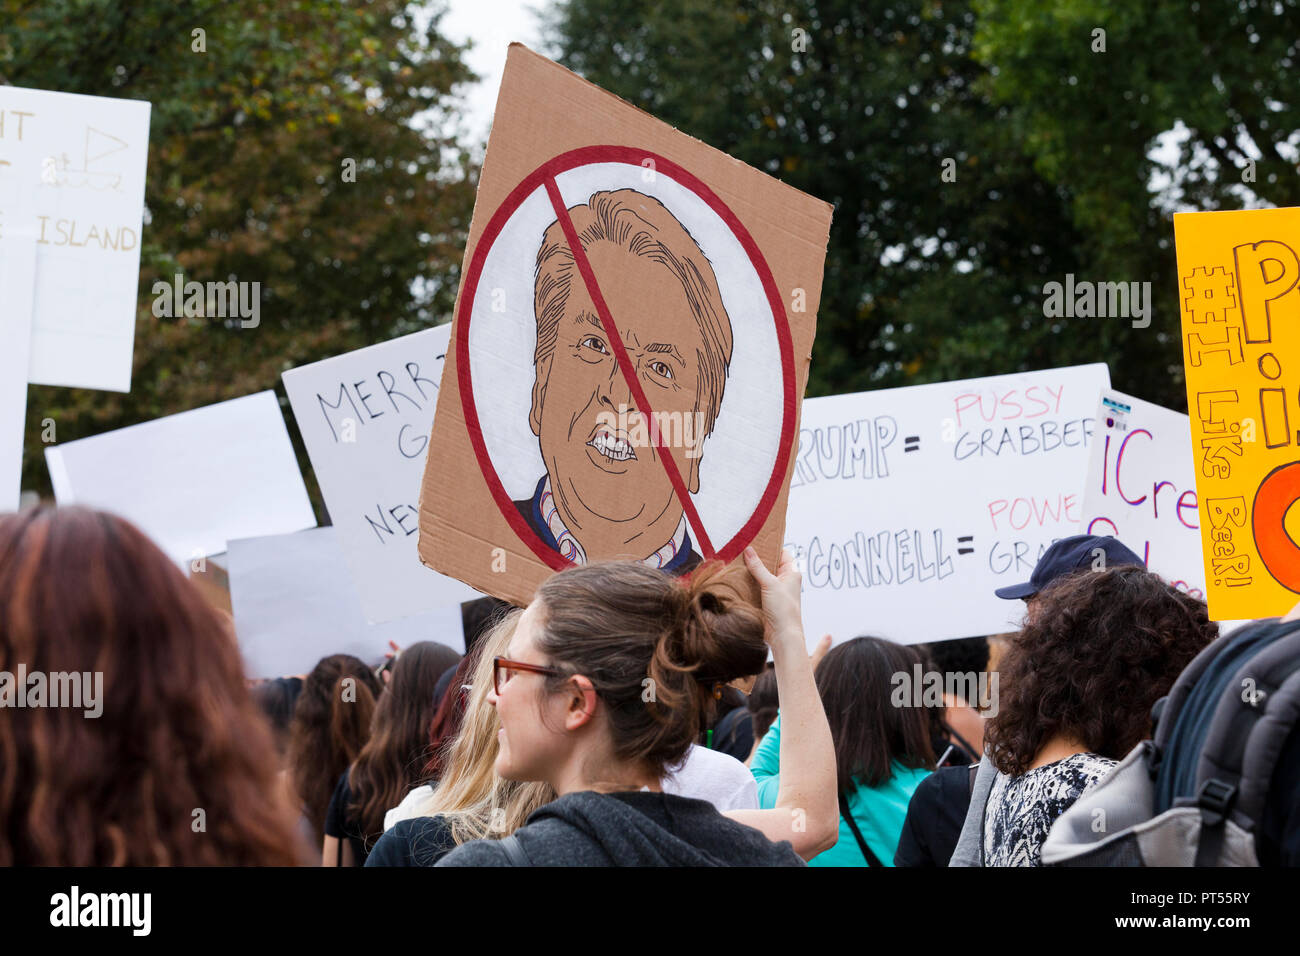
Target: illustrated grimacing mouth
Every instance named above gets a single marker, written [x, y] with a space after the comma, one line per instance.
[615, 449]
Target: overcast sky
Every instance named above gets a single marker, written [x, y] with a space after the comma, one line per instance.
[492, 25]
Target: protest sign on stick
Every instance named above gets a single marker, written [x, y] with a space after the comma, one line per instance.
[72, 171]
[194, 480]
[294, 602]
[909, 506]
[1238, 278]
[1141, 488]
[17, 275]
[629, 350]
[365, 418]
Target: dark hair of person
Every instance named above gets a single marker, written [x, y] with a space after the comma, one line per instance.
[963, 655]
[763, 702]
[331, 723]
[479, 616]
[653, 647]
[84, 592]
[276, 700]
[393, 759]
[1096, 653]
[855, 680]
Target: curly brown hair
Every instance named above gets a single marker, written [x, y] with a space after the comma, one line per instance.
[1097, 651]
[83, 591]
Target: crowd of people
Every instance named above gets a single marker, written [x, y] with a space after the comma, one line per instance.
[624, 717]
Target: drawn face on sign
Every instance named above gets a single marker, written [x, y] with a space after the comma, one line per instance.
[607, 491]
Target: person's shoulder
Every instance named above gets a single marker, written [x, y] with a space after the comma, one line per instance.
[415, 804]
[711, 775]
[942, 783]
[476, 853]
[1086, 768]
[712, 761]
[418, 841]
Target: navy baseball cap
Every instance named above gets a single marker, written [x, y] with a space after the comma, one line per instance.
[1066, 556]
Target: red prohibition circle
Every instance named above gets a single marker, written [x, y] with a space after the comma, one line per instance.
[590, 155]
[1273, 499]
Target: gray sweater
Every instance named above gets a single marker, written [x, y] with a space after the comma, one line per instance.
[630, 829]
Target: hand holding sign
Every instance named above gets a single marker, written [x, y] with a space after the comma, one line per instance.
[626, 374]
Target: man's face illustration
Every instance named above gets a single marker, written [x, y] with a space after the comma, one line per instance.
[580, 394]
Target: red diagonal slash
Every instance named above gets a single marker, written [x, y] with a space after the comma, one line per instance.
[625, 365]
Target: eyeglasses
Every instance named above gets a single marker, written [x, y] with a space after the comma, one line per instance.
[502, 665]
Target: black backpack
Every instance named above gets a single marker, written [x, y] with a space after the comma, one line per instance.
[1195, 794]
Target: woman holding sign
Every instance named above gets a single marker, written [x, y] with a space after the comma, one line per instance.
[601, 691]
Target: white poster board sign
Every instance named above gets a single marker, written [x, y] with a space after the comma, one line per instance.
[17, 275]
[294, 602]
[909, 506]
[1141, 488]
[72, 172]
[366, 418]
[194, 480]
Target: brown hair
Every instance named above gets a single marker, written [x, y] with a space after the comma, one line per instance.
[329, 729]
[855, 681]
[641, 225]
[1099, 650]
[83, 591]
[652, 646]
[393, 759]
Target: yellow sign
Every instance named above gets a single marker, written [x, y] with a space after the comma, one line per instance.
[1239, 285]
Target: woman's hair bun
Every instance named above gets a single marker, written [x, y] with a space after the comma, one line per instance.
[722, 626]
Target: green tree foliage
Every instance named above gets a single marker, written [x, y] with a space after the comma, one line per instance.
[929, 280]
[252, 122]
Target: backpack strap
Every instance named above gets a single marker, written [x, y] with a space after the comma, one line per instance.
[872, 859]
[514, 851]
[1255, 714]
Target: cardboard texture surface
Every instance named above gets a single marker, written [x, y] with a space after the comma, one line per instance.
[629, 350]
[1239, 285]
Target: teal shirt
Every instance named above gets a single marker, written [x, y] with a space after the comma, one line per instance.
[878, 811]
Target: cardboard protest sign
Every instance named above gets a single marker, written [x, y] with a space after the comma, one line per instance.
[194, 480]
[909, 506]
[294, 602]
[1141, 488]
[1238, 277]
[630, 346]
[17, 276]
[365, 418]
[72, 173]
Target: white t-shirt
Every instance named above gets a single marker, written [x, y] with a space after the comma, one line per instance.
[709, 775]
